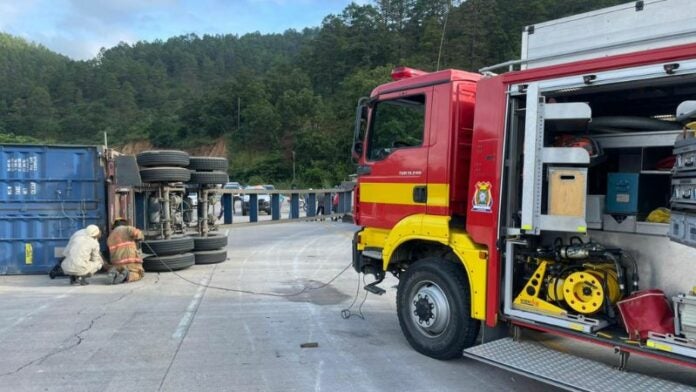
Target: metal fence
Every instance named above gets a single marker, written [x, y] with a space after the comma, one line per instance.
[303, 203]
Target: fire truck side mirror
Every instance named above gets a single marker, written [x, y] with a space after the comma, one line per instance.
[357, 150]
[360, 127]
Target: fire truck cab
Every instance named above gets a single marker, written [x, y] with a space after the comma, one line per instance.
[555, 197]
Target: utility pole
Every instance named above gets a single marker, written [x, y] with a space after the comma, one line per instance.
[239, 105]
[293, 168]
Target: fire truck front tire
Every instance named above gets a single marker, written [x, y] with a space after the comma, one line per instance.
[433, 303]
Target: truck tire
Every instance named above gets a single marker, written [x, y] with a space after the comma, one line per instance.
[211, 256]
[171, 246]
[208, 164]
[169, 263]
[211, 242]
[163, 158]
[433, 303]
[209, 178]
[165, 174]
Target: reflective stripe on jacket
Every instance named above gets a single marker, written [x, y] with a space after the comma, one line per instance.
[121, 243]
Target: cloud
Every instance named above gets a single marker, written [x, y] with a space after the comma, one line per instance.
[8, 12]
[83, 47]
[113, 12]
[79, 28]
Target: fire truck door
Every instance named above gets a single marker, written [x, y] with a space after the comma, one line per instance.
[393, 184]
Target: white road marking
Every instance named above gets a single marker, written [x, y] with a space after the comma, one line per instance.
[186, 320]
[250, 337]
[347, 357]
[35, 311]
[317, 381]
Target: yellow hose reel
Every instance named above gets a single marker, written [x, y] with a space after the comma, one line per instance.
[584, 291]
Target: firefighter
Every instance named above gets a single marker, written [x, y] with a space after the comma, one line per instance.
[82, 257]
[127, 263]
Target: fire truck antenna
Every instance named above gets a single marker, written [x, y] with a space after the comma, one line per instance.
[442, 38]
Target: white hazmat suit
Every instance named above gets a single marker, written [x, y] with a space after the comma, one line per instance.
[82, 257]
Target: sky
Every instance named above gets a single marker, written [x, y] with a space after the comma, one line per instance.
[80, 28]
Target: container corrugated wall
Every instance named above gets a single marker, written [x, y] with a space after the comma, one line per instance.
[46, 194]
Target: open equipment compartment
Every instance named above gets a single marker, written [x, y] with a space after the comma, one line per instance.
[619, 128]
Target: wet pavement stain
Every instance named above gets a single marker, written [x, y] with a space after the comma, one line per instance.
[359, 334]
[328, 295]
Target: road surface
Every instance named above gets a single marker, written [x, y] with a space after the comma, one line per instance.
[164, 333]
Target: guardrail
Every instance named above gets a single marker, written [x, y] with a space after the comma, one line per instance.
[300, 200]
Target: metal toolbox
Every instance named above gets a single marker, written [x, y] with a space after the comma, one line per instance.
[682, 228]
[635, 193]
[684, 193]
[622, 193]
[685, 316]
[690, 230]
[685, 152]
[677, 226]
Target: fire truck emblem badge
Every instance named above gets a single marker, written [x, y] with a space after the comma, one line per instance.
[483, 199]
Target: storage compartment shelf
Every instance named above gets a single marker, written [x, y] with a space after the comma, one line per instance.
[656, 172]
[629, 224]
[651, 228]
[638, 139]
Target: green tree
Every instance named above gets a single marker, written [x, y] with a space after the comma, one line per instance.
[297, 90]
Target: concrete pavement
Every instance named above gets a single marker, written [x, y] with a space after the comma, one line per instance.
[164, 333]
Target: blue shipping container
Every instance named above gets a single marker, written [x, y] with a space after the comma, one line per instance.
[46, 194]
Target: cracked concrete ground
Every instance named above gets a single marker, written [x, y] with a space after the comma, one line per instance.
[164, 333]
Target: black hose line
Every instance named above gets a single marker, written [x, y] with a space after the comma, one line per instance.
[305, 288]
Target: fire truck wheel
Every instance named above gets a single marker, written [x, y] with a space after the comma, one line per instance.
[434, 307]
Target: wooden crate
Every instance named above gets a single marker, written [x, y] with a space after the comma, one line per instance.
[567, 191]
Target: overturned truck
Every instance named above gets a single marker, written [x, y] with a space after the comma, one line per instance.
[51, 191]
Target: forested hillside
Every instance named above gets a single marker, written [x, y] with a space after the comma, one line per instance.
[265, 95]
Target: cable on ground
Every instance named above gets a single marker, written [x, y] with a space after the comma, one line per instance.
[347, 313]
[305, 289]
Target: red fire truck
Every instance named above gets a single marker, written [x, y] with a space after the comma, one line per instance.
[556, 196]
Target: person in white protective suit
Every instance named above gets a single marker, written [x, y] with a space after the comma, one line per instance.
[82, 257]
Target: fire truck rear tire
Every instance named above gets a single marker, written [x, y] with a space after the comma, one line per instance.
[433, 303]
